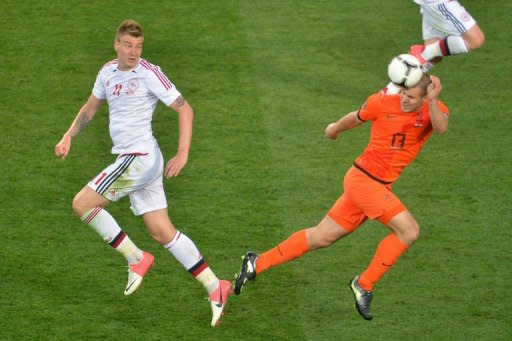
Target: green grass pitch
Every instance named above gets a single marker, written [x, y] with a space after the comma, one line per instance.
[264, 78]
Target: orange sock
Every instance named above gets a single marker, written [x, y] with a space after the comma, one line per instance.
[388, 252]
[295, 246]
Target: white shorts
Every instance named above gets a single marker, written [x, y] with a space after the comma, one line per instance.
[444, 19]
[137, 175]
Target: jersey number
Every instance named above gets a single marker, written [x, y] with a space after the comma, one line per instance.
[398, 141]
[117, 90]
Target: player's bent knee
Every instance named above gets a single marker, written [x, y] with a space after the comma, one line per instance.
[475, 44]
[479, 43]
[86, 200]
[78, 206]
[475, 39]
[405, 227]
[413, 234]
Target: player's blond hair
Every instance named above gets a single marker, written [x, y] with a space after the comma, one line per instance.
[130, 27]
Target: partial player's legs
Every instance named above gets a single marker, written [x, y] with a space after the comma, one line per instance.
[185, 251]
[89, 206]
[377, 201]
[448, 29]
[435, 49]
[299, 243]
[405, 233]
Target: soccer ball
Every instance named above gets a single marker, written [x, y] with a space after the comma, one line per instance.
[405, 70]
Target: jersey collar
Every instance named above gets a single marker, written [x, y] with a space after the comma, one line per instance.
[115, 65]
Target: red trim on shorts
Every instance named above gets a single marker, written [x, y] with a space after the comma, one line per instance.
[101, 177]
[136, 154]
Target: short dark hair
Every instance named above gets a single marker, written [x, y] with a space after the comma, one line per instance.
[130, 27]
[424, 83]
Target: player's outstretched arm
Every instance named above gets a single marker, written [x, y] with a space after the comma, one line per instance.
[82, 119]
[345, 123]
[185, 123]
[438, 118]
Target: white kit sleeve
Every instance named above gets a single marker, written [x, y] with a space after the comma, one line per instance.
[158, 84]
[99, 87]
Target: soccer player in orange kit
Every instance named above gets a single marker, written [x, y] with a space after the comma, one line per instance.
[401, 124]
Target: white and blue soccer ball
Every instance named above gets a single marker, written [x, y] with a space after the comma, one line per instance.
[405, 70]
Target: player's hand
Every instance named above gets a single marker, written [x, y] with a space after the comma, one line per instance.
[331, 131]
[62, 148]
[175, 165]
[434, 88]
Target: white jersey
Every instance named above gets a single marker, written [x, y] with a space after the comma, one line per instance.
[132, 97]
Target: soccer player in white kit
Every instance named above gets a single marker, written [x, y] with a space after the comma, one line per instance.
[132, 88]
[448, 29]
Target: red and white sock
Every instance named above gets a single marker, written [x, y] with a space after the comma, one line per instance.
[445, 47]
[106, 226]
[186, 252]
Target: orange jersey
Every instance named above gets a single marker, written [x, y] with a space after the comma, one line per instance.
[396, 137]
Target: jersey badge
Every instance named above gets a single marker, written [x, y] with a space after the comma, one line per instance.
[133, 84]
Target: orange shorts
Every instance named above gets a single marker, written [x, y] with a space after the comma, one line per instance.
[364, 198]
